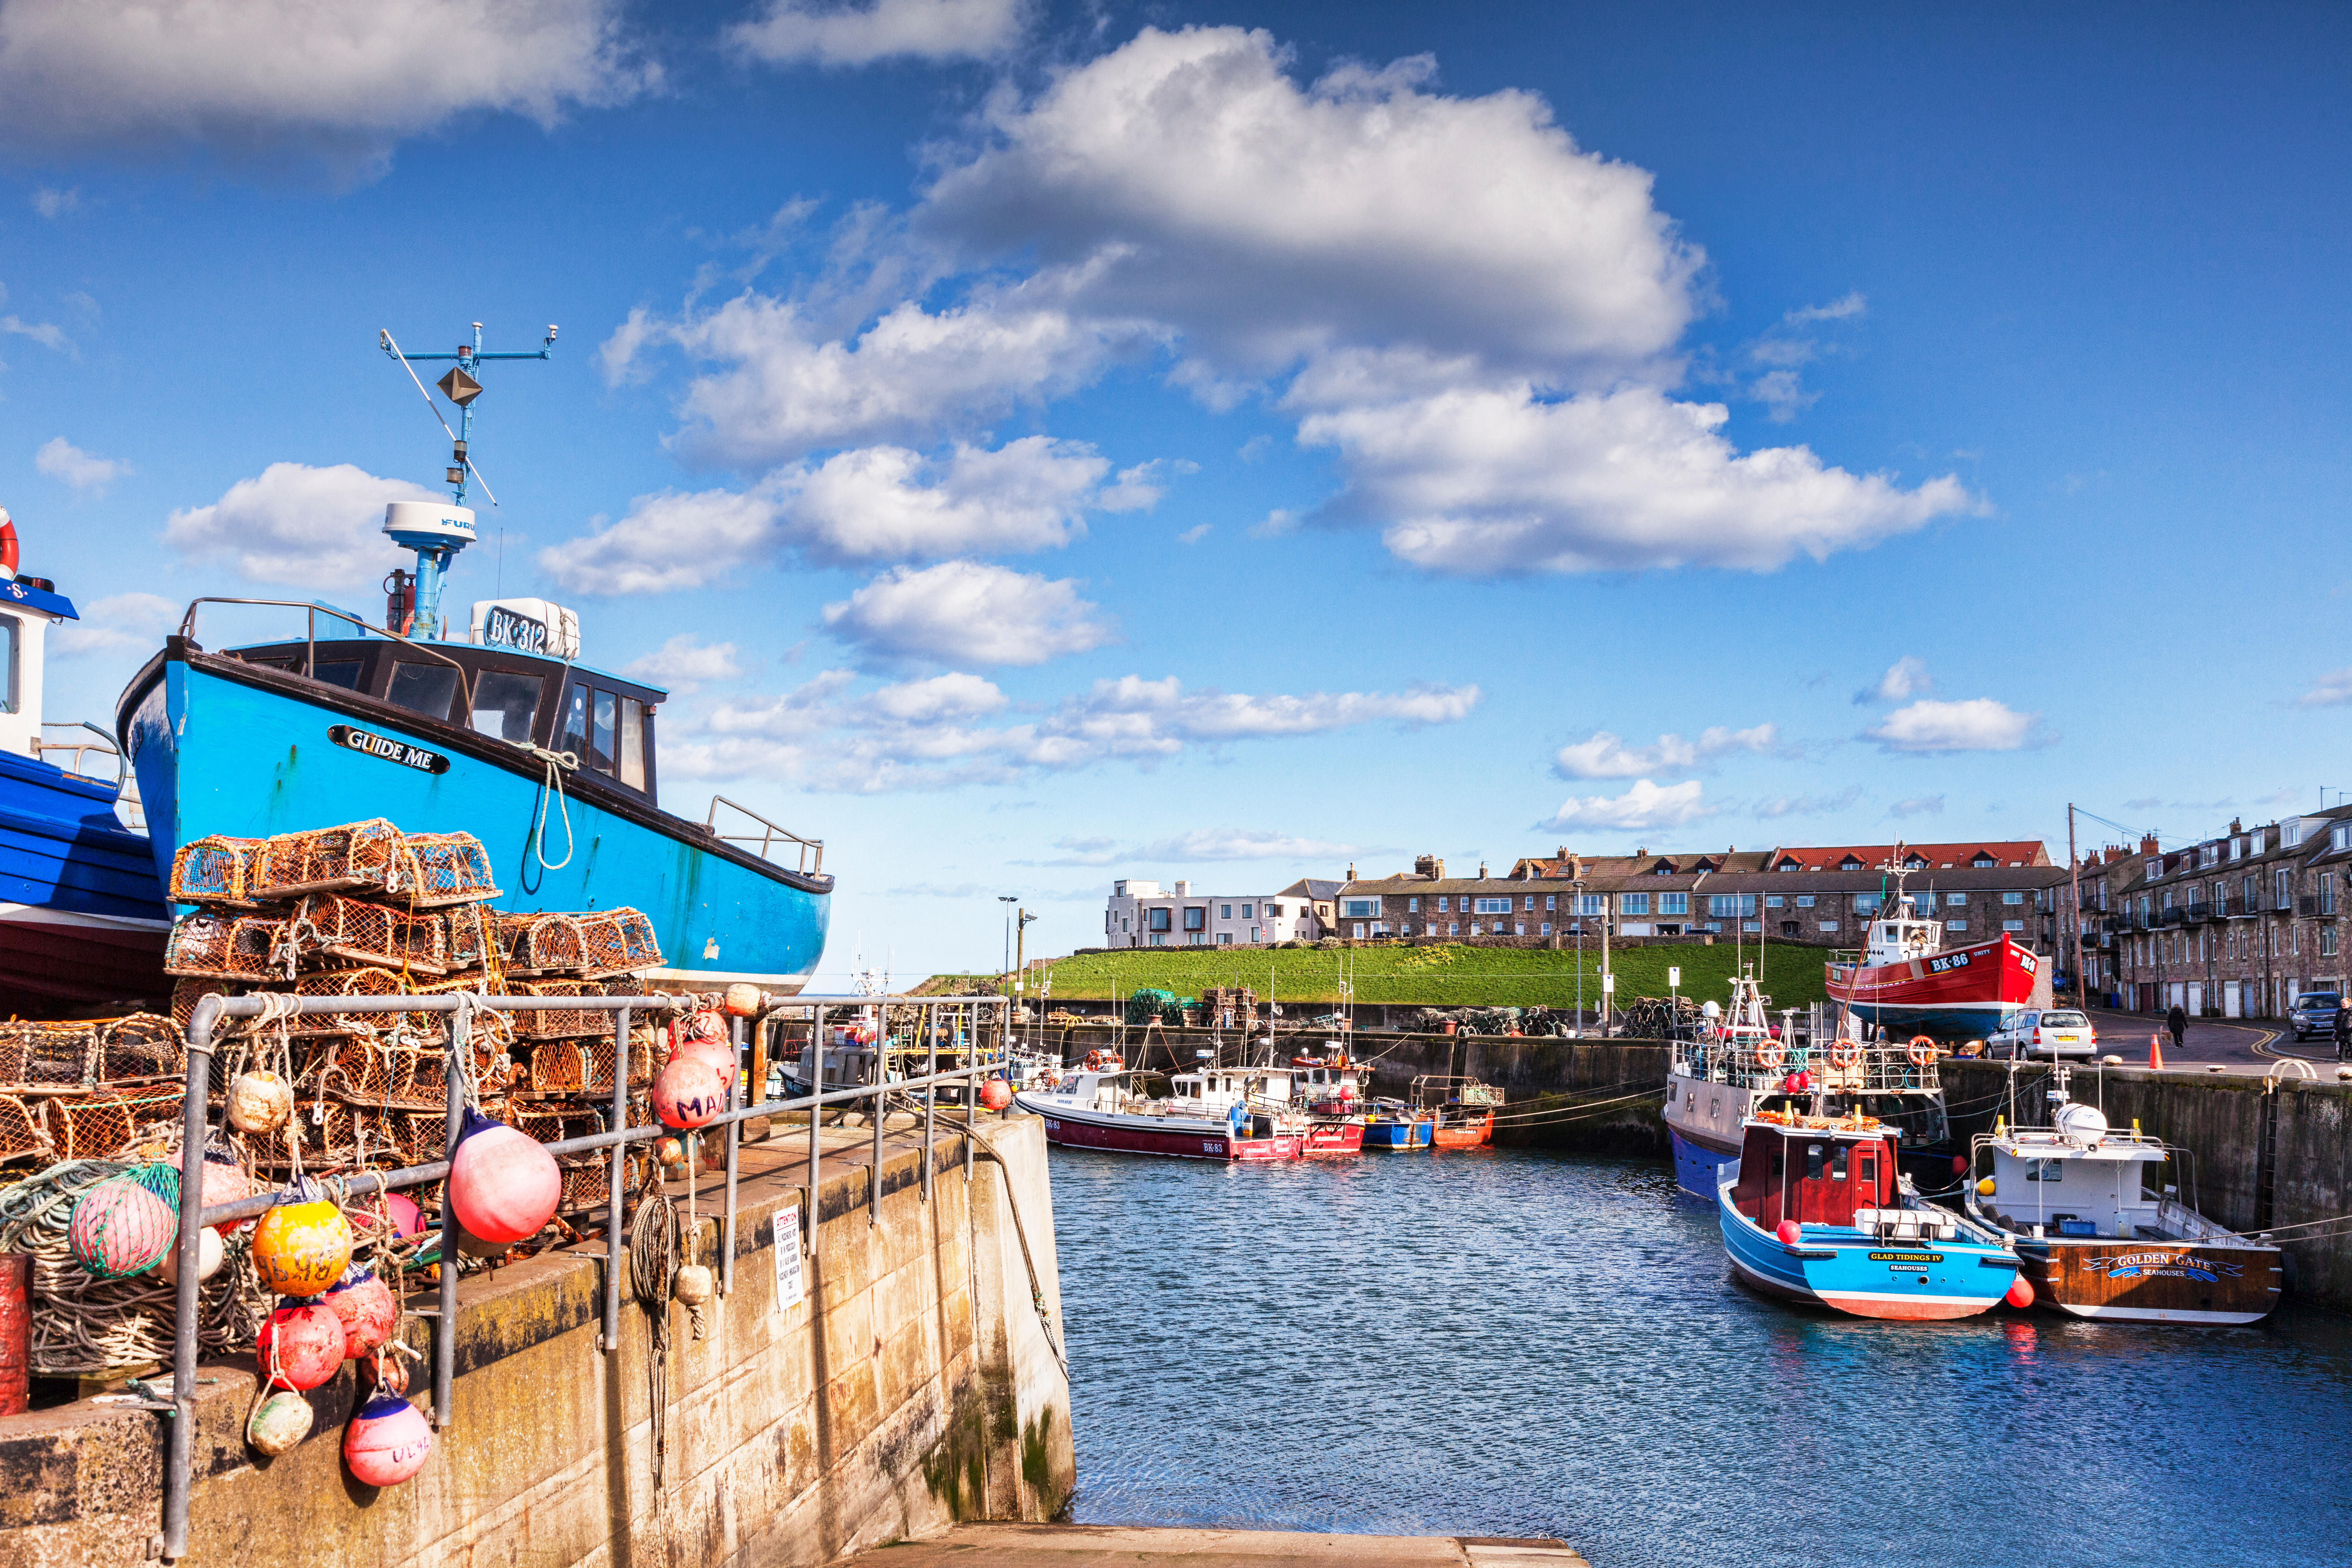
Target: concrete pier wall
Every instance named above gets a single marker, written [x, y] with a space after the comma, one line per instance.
[915, 1386]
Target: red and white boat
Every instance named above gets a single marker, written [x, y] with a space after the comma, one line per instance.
[1330, 1090]
[1910, 984]
[1215, 1113]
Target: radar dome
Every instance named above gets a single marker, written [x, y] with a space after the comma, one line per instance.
[2082, 1123]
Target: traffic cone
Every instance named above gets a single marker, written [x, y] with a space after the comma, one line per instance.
[2155, 1053]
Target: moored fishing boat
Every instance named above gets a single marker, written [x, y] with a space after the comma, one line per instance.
[1815, 1211]
[1215, 1113]
[1330, 1090]
[2098, 1236]
[1462, 1111]
[1907, 983]
[1397, 1127]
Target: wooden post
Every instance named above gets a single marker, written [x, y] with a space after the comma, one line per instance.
[15, 1333]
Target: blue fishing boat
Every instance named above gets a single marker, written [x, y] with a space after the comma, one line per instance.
[501, 733]
[1391, 1125]
[1815, 1211]
[82, 922]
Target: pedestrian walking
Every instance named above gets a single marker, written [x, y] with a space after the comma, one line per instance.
[2343, 1030]
[2176, 1020]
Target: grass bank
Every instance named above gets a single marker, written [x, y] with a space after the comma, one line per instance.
[1437, 977]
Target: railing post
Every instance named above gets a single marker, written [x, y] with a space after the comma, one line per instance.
[813, 1059]
[613, 1241]
[445, 1331]
[180, 1478]
[734, 1142]
[881, 1106]
[930, 1091]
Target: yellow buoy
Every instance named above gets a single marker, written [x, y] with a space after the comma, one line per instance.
[1984, 1188]
[300, 1249]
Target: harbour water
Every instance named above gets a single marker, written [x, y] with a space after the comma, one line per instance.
[1509, 1343]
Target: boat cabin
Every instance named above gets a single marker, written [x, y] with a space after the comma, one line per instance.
[1213, 1091]
[523, 699]
[1897, 939]
[2080, 1179]
[1814, 1175]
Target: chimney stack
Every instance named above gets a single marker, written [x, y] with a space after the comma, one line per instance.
[1352, 870]
[1482, 870]
[2147, 845]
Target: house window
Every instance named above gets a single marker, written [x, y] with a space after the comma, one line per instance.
[2326, 895]
[1547, 928]
[1224, 911]
[1413, 906]
[2155, 869]
[1804, 901]
[2012, 925]
[2339, 837]
[1473, 928]
[1520, 928]
[1756, 926]
[1866, 903]
[1957, 900]
[1452, 928]
[1196, 917]
[1552, 902]
[1246, 912]
[1590, 903]
[1354, 909]
[1632, 903]
[2279, 885]
[1983, 860]
[1530, 905]
[1159, 918]
[2327, 941]
[1224, 939]
[1493, 907]
[1956, 925]
[1442, 906]
[1772, 900]
[1673, 903]
[2012, 898]
[1254, 935]
[1829, 926]
[1359, 931]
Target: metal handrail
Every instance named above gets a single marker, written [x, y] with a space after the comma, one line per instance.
[195, 1215]
[311, 637]
[104, 746]
[771, 831]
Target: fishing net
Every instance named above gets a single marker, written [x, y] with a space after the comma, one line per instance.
[114, 1239]
[212, 871]
[359, 932]
[186, 994]
[204, 945]
[23, 1134]
[448, 868]
[584, 1065]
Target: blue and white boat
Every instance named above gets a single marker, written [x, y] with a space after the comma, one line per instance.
[1395, 1126]
[82, 922]
[1815, 1211]
[501, 733]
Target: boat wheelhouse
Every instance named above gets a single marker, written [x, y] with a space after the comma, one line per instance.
[1814, 1210]
[2100, 1234]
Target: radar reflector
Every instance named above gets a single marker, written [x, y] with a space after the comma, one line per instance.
[458, 387]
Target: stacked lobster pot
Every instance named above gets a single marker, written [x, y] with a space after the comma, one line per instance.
[363, 911]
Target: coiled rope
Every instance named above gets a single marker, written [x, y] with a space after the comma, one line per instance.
[552, 785]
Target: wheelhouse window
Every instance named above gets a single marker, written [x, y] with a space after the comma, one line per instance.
[9, 701]
[504, 703]
[427, 688]
[600, 739]
[633, 744]
[342, 672]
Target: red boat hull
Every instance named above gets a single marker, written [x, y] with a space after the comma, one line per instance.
[1180, 1143]
[1963, 994]
[1335, 1138]
[1463, 1135]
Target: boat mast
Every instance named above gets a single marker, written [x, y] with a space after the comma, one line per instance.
[437, 534]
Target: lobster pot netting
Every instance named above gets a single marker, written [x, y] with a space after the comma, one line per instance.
[186, 994]
[448, 868]
[204, 945]
[23, 1133]
[594, 944]
[102, 1124]
[584, 1065]
[85, 1052]
[327, 924]
[346, 983]
[618, 941]
[212, 871]
[567, 1023]
[327, 860]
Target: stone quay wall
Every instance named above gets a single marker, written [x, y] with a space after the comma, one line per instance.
[914, 1386]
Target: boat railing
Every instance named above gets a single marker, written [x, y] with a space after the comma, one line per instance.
[103, 746]
[771, 835]
[1743, 1064]
[310, 614]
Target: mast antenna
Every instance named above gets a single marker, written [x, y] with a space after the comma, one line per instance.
[435, 531]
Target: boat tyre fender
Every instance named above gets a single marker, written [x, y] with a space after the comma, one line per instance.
[8, 543]
[1771, 1055]
[1922, 1051]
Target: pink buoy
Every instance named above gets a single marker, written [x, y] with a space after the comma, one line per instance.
[363, 1305]
[406, 1217]
[301, 1347]
[2020, 1293]
[388, 1441]
[1960, 1164]
[718, 1055]
[1788, 1232]
[688, 1094]
[224, 1184]
[996, 1094]
[502, 1183]
[120, 1227]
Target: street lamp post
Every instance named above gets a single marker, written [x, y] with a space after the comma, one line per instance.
[1577, 886]
[1008, 900]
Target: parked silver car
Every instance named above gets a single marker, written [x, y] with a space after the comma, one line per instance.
[2052, 1032]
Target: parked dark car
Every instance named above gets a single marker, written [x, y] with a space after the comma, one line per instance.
[2314, 1012]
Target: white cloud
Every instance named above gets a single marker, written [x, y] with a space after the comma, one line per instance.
[1845, 307]
[120, 623]
[297, 525]
[1918, 806]
[1603, 756]
[335, 79]
[61, 459]
[934, 734]
[1807, 804]
[1495, 483]
[883, 29]
[1194, 534]
[1646, 804]
[49, 334]
[1906, 678]
[887, 504]
[1979, 725]
[2330, 690]
[686, 663]
[669, 540]
[966, 612]
[1237, 844]
[50, 202]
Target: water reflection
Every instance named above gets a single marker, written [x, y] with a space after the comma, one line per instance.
[1511, 1344]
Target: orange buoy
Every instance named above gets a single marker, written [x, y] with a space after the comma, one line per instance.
[688, 1094]
[503, 1184]
[302, 1248]
[363, 1305]
[1788, 1233]
[389, 1441]
[301, 1346]
[2020, 1293]
[996, 1094]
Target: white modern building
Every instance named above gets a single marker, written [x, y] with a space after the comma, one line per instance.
[1143, 914]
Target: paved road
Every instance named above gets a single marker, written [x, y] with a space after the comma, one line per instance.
[2251, 1047]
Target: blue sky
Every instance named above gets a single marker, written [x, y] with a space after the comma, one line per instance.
[1045, 444]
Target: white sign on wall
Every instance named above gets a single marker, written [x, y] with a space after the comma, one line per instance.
[792, 1284]
[1608, 985]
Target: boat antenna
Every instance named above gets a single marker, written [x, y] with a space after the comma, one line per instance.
[437, 533]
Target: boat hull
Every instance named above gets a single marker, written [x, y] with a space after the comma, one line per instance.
[2137, 1282]
[242, 756]
[1183, 1138]
[1964, 994]
[1469, 1135]
[82, 920]
[1334, 1138]
[1848, 1272]
[1698, 1167]
[1396, 1136]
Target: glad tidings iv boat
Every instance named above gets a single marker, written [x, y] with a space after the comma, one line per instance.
[1216, 1113]
[499, 733]
[1815, 1211]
